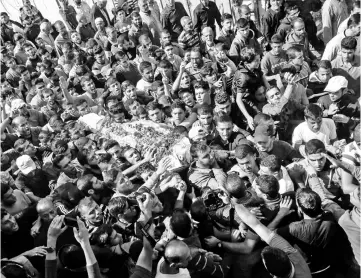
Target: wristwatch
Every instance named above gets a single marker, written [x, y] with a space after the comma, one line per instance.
[50, 249]
[219, 244]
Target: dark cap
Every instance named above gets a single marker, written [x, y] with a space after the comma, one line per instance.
[276, 39]
[262, 132]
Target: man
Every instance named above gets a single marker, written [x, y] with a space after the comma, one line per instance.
[264, 137]
[274, 60]
[292, 11]
[319, 232]
[271, 19]
[355, 9]
[334, 12]
[13, 200]
[150, 20]
[227, 138]
[45, 34]
[91, 213]
[62, 38]
[245, 37]
[205, 14]
[196, 64]
[138, 28]
[99, 10]
[348, 64]
[318, 79]
[171, 17]
[155, 113]
[205, 171]
[9, 28]
[298, 37]
[315, 165]
[339, 105]
[226, 34]
[279, 258]
[247, 166]
[333, 47]
[82, 8]
[34, 117]
[314, 127]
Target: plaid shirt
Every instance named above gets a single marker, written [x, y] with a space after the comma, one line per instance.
[188, 40]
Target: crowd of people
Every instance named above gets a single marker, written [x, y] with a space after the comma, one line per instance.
[269, 111]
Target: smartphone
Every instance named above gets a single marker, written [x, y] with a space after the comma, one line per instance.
[70, 221]
[140, 231]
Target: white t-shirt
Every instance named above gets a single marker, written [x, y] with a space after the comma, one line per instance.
[183, 272]
[326, 133]
[142, 86]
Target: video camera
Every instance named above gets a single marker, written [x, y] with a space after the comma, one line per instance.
[211, 199]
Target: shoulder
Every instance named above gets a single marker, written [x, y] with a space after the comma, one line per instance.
[329, 123]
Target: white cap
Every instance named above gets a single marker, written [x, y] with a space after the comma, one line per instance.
[336, 83]
[25, 164]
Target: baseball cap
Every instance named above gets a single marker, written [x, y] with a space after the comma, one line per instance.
[197, 133]
[262, 132]
[17, 103]
[336, 83]
[25, 164]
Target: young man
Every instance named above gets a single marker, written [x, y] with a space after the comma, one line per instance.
[348, 64]
[271, 19]
[205, 120]
[318, 79]
[196, 64]
[151, 20]
[205, 14]
[315, 127]
[147, 72]
[226, 34]
[274, 60]
[292, 11]
[204, 171]
[155, 113]
[296, 58]
[227, 138]
[340, 106]
[167, 38]
[264, 137]
[245, 37]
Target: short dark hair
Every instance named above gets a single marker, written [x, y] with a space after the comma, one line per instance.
[222, 98]
[223, 119]
[143, 65]
[226, 16]
[241, 23]
[313, 111]
[290, 6]
[268, 185]
[314, 146]
[325, 64]
[201, 84]
[243, 150]
[276, 261]
[181, 223]
[204, 109]
[153, 106]
[349, 43]
[235, 186]
[309, 202]
[291, 52]
[178, 104]
[198, 147]
[248, 55]
[272, 162]
[354, 20]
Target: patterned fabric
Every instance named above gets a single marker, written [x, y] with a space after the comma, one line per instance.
[188, 40]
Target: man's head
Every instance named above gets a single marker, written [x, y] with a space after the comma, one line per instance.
[298, 27]
[23, 146]
[21, 126]
[271, 165]
[273, 95]
[102, 3]
[324, 71]
[202, 154]
[8, 223]
[227, 22]
[224, 126]
[223, 103]
[61, 29]
[30, 50]
[264, 137]
[155, 112]
[196, 58]
[267, 187]
[292, 10]
[7, 194]
[146, 71]
[295, 56]
[336, 87]
[4, 18]
[207, 35]
[348, 49]
[121, 210]
[246, 158]
[276, 261]
[46, 210]
[243, 29]
[89, 185]
[90, 211]
[205, 115]
[276, 44]
[313, 117]
[143, 6]
[131, 155]
[308, 202]
[177, 254]
[235, 186]
[353, 24]
[201, 91]
[314, 149]
[250, 58]
[178, 111]
[136, 19]
[181, 223]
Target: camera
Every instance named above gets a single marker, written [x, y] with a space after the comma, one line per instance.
[211, 199]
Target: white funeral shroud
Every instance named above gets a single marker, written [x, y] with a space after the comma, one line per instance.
[180, 154]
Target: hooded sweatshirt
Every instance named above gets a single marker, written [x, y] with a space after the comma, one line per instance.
[239, 43]
[316, 85]
[303, 43]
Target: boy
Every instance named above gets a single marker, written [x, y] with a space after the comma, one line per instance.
[12, 76]
[318, 79]
[226, 34]
[189, 37]
[244, 38]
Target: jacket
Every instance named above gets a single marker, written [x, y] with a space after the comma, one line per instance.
[303, 43]
[199, 177]
[239, 43]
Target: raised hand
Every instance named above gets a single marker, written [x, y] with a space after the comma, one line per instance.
[81, 234]
[285, 206]
[56, 227]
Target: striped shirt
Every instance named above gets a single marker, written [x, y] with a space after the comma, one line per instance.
[188, 40]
